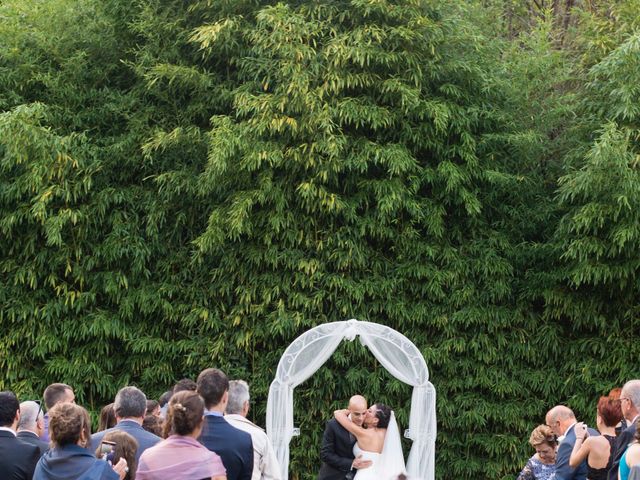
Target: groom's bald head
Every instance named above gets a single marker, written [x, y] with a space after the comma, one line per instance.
[357, 407]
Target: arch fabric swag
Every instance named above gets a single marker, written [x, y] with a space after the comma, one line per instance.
[394, 351]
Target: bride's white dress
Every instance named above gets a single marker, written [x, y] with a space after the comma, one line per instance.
[386, 465]
[369, 473]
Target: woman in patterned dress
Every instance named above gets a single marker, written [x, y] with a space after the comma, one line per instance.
[542, 466]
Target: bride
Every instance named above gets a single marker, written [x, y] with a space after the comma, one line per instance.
[378, 441]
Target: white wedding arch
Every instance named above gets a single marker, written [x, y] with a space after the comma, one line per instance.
[394, 351]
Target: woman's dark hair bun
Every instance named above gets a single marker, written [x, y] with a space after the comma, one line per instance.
[383, 414]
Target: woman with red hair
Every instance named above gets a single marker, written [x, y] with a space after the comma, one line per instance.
[597, 450]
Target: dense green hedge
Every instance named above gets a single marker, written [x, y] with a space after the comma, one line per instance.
[194, 184]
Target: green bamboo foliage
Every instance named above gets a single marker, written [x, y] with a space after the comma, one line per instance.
[346, 182]
[597, 237]
[194, 184]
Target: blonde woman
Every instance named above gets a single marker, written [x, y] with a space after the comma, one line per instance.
[542, 465]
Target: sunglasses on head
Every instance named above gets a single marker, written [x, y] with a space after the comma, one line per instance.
[39, 402]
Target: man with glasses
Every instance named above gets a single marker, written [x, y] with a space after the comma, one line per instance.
[630, 406]
[31, 424]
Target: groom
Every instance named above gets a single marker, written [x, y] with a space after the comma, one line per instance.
[337, 445]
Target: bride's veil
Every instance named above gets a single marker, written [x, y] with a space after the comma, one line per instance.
[391, 459]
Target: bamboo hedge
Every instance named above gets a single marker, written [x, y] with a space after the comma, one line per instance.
[194, 184]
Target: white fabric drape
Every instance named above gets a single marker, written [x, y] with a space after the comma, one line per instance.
[393, 350]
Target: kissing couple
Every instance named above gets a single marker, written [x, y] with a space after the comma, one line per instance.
[361, 443]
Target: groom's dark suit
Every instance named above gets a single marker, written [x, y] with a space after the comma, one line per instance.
[336, 452]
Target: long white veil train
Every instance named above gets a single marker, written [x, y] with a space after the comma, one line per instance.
[392, 458]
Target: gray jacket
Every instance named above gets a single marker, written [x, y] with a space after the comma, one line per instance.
[145, 439]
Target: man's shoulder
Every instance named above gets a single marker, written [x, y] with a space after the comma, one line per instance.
[226, 430]
[335, 425]
[625, 437]
[244, 437]
[631, 429]
[23, 449]
[17, 456]
[31, 438]
[28, 437]
[100, 434]
[27, 445]
[244, 424]
[137, 432]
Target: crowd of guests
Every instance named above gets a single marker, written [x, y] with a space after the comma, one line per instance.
[569, 450]
[197, 430]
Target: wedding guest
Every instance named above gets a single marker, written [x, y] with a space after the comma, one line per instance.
[234, 446]
[130, 406]
[181, 455]
[31, 425]
[107, 418]
[153, 424]
[70, 430]
[597, 450]
[17, 459]
[164, 398]
[163, 401]
[614, 394]
[630, 458]
[630, 406]
[542, 465]
[265, 463]
[562, 421]
[185, 385]
[153, 408]
[54, 394]
[125, 447]
[634, 474]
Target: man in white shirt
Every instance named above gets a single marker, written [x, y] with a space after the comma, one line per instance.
[265, 463]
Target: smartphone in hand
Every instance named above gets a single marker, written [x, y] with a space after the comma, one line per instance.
[107, 450]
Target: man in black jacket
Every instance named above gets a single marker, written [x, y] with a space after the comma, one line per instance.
[17, 459]
[630, 405]
[336, 453]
